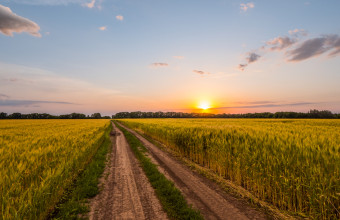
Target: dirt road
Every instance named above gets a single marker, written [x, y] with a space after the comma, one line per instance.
[126, 192]
[203, 194]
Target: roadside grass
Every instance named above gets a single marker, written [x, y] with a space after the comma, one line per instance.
[74, 203]
[170, 197]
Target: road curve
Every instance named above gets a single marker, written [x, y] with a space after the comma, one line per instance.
[212, 202]
[126, 191]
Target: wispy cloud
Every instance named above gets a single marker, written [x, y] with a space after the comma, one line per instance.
[246, 6]
[10, 22]
[3, 96]
[6, 101]
[119, 17]
[251, 58]
[315, 47]
[36, 84]
[201, 72]
[9, 102]
[27, 83]
[178, 57]
[242, 66]
[103, 28]
[254, 102]
[15, 80]
[296, 48]
[280, 43]
[92, 4]
[159, 64]
[297, 32]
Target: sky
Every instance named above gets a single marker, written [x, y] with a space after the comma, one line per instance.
[109, 56]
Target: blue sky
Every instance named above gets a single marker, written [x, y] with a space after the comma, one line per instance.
[126, 55]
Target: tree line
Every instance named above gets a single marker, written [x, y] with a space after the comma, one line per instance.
[138, 114]
[18, 115]
[311, 114]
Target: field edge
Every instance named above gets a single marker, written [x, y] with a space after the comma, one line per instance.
[74, 203]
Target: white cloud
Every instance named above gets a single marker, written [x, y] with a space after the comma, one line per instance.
[245, 7]
[90, 4]
[103, 28]
[297, 32]
[120, 17]
[10, 22]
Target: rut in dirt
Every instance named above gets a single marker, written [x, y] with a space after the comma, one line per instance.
[203, 194]
[126, 191]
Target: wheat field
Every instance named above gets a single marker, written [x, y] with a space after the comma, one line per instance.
[292, 164]
[39, 159]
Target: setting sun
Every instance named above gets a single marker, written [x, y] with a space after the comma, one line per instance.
[204, 105]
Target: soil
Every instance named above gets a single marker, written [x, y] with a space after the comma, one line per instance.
[126, 192]
[203, 194]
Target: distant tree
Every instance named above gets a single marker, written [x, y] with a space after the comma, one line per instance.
[3, 115]
[64, 116]
[96, 115]
[313, 113]
[77, 116]
[15, 115]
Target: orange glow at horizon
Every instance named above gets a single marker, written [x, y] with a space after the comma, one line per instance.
[204, 105]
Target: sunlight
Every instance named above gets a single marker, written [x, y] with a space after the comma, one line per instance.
[204, 105]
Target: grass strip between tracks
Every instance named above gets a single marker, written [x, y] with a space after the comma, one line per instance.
[74, 203]
[170, 197]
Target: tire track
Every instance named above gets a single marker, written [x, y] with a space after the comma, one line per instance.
[207, 197]
[127, 193]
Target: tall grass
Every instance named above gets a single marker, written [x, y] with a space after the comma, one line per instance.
[293, 164]
[39, 159]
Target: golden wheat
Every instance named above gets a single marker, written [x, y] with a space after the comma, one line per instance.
[39, 159]
[293, 164]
